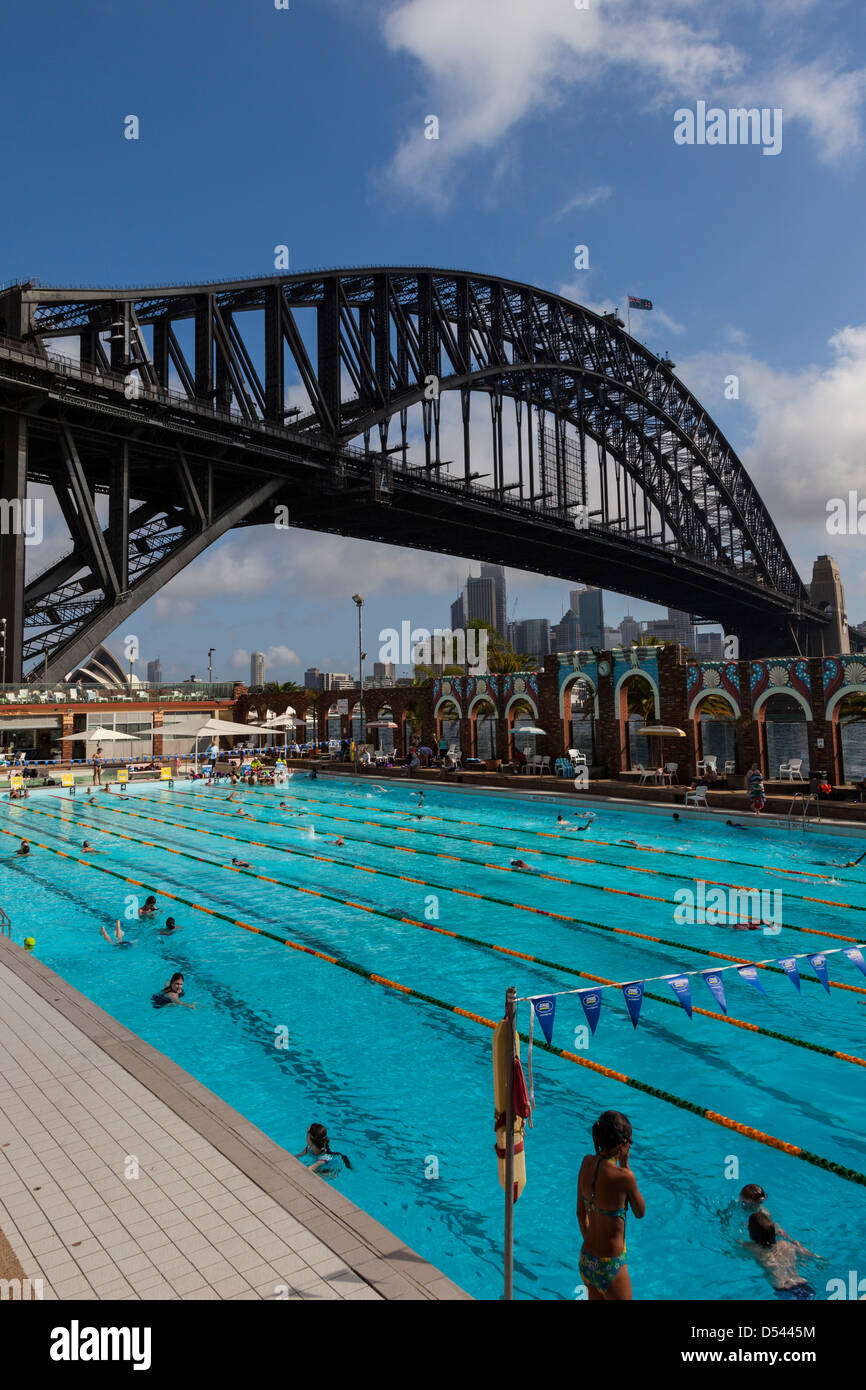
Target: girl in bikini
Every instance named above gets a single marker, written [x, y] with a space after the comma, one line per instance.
[606, 1187]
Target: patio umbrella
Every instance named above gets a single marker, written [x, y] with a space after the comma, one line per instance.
[381, 724]
[661, 731]
[529, 729]
[108, 736]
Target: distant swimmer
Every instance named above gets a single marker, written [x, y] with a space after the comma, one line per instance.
[314, 772]
[676, 815]
[339, 843]
[25, 848]
[118, 936]
[241, 864]
[632, 844]
[170, 928]
[735, 825]
[88, 848]
[149, 907]
[849, 865]
[522, 865]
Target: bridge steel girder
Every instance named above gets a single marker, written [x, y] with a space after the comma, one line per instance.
[678, 518]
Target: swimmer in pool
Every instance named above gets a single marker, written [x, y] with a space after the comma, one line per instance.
[25, 848]
[735, 825]
[241, 864]
[849, 865]
[88, 848]
[338, 843]
[118, 936]
[169, 929]
[633, 844]
[676, 815]
[171, 993]
[778, 1256]
[522, 865]
[149, 908]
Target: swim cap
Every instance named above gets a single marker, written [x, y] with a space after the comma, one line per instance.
[29, 943]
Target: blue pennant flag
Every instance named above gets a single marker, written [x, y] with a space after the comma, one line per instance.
[545, 1008]
[855, 955]
[792, 970]
[591, 1001]
[750, 974]
[713, 981]
[819, 965]
[682, 989]
[634, 998]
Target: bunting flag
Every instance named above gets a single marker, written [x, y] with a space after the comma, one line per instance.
[591, 1001]
[545, 1009]
[683, 991]
[819, 965]
[749, 973]
[633, 993]
[855, 955]
[792, 970]
[713, 981]
[635, 303]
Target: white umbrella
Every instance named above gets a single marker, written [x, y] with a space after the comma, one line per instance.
[280, 721]
[108, 736]
[529, 729]
[381, 724]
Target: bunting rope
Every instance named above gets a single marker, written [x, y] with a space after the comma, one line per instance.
[769, 1140]
[457, 936]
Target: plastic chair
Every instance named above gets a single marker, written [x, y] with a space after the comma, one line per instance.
[791, 770]
[697, 796]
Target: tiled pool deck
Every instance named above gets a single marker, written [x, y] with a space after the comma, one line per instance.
[218, 1210]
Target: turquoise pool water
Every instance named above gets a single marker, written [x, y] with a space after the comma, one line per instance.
[404, 1087]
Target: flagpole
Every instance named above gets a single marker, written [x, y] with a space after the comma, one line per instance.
[510, 1016]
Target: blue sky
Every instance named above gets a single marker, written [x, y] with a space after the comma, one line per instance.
[305, 127]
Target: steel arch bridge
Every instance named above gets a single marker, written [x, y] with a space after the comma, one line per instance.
[435, 409]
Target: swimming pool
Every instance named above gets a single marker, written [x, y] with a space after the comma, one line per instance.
[403, 1086]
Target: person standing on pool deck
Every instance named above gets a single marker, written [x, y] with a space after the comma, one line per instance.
[755, 788]
[97, 766]
[606, 1186]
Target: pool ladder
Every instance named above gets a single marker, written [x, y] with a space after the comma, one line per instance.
[803, 800]
[5, 924]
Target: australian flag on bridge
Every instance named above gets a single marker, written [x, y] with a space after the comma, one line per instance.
[635, 303]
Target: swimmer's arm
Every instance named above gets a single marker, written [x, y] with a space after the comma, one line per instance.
[581, 1211]
[631, 1190]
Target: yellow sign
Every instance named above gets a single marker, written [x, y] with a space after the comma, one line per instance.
[122, 774]
[67, 779]
[16, 782]
[165, 774]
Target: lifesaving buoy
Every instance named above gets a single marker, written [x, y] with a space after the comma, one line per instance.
[500, 1100]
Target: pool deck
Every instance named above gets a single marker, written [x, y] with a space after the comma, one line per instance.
[217, 1211]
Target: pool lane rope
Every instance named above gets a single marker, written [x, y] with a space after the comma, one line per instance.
[769, 1140]
[526, 849]
[554, 835]
[502, 902]
[443, 931]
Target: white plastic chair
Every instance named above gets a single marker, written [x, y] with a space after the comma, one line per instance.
[647, 774]
[791, 770]
[697, 796]
[671, 772]
[730, 767]
[545, 764]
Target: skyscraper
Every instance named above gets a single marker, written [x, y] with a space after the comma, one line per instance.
[589, 606]
[313, 678]
[154, 672]
[497, 574]
[479, 601]
[257, 668]
[566, 633]
[531, 637]
[629, 630]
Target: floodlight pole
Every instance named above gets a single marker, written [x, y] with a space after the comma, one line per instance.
[359, 603]
[511, 1031]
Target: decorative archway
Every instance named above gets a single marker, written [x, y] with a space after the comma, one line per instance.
[833, 714]
[762, 731]
[487, 721]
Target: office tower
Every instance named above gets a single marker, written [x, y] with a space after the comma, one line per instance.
[588, 605]
[566, 633]
[531, 637]
[612, 638]
[154, 672]
[313, 679]
[496, 573]
[629, 630]
[384, 672]
[479, 601]
[458, 618]
[709, 646]
[676, 627]
[257, 668]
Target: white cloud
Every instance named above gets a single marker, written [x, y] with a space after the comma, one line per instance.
[587, 200]
[494, 63]
[278, 660]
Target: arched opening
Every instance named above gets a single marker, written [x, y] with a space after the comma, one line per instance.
[482, 728]
[849, 735]
[782, 731]
[637, 704]
[714, 725]
[382, 739]
[580, 704]
[447, 719]
[521, 714]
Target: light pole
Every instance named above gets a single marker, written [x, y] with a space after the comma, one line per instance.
[359, 604]
[210, 653]
[3, 646]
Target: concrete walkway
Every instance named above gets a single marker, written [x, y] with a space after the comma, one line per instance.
[121, 1177]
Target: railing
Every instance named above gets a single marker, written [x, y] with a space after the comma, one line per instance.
[804, 799]
[5, 924]
[71, 692]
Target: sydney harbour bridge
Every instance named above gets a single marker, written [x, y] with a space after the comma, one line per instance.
[441, 410]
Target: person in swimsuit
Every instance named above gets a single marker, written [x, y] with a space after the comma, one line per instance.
[325, 1162]
[849, 865]
[606, 1186]
[240, 864]
[88, 848]
[522, 865]
[118, 935]
[169, 929]
[25, 848]
[777, 1254]
[171, 993]
[149, 908]
[735, 825]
